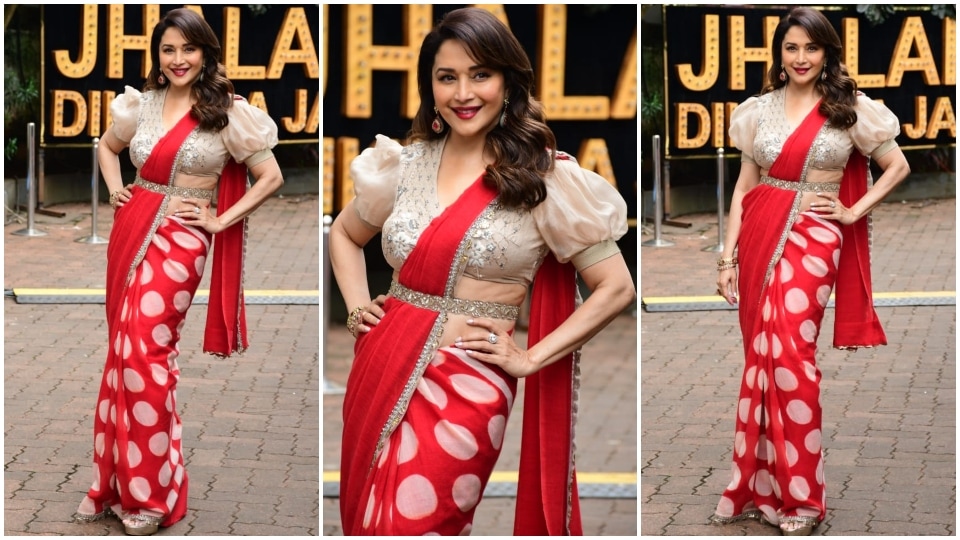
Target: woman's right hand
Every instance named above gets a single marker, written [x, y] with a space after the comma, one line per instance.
[727, 285]
[371, 314]
[123, 197]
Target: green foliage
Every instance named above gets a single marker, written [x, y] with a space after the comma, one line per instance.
[878, 13]
[21, 74]
[258, 9]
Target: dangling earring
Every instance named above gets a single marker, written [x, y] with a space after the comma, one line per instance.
[437, 125]
[823, 74]
[503, 115]
[161, 80]
[783, 73]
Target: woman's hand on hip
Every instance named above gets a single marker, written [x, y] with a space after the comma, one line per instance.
[488, 344]
[197, 212]
[371, 314]
[830, 207]
[727, 285]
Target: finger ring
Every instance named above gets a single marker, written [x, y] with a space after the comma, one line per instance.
[833, 204]
[196, 210]
[492, 338]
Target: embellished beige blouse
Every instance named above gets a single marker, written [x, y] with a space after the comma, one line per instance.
[759, 127]
[248, 137]
[580, 220]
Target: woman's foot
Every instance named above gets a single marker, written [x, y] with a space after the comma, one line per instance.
[796, 528]
[140, 525]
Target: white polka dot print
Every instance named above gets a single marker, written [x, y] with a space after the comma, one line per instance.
[797, 239]
[186, 240]
[823, 295]
[159, 374]
[134, 457]
[743, 409]
[750, 377]
[735, 477]
[796, 301]
[103, 409]
[474, 388]
[432, 392]
[161, 243]
[808, 331]
[145, 413]
[162, 335]
[763, 485]
[740, 443]
[416, 497]
[408, 444]
[792, 455]
[815, 265]
[98, 446]
[466, 491]
[166, 473]
[785, 379]
[495, 429]
[824, 236]
[133, 381]
[159, 443]
[182, 300]
[368, 512]
[140, 488]
[151, 304]
[786, 271]
[146, 276]
[776, 348]
[725, 507]
[799, 488]
[799, 412]
[199, 264]
[176, 271]
[455, 440]
[813, 441]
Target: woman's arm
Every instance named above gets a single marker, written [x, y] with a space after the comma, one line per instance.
[348, 235]
[895, 169]
[108, 155]
[612, 290]
[727, 279]
[268, 180]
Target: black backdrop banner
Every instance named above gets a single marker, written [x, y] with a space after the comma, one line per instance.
[91, 52]
[716, 57]
[596, 53]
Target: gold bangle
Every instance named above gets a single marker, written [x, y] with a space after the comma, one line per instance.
[353, 320]
[115, 198]
[727, 264]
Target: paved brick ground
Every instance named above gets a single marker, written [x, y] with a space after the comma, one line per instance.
[889, 413]
[251, 423]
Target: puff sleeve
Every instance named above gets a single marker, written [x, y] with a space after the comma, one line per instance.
[376, 174]
[876, 129]
[582, 216]
[250, 135]
[743, 127]
[125, 109]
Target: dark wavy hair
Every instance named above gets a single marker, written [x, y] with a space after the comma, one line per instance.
[839, 90]
[524, 149]
[214, 93]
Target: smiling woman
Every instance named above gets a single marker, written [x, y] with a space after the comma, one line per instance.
[476, 206]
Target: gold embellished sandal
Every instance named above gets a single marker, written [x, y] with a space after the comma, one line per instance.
[140, 525]
[796, 528]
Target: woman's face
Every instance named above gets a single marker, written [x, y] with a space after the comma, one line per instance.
[180, 61]
[469, 97]
[802, 58]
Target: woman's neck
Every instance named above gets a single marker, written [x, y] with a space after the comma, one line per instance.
[803, 93]
[179, 94]
[468, 148]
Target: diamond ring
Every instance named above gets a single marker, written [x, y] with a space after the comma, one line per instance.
[196, 210]
[492, 338]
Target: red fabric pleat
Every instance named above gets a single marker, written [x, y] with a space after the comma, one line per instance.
[386, 356]
[226, 328]
[547, 499]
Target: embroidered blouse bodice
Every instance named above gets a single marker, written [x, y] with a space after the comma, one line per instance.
[580, 220]
[759, 127]
[248, 137]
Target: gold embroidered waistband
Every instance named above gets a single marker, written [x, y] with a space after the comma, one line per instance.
[474, 308]
[800, 186]
[174, 191]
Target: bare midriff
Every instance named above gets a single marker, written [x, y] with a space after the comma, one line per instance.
[485, 291]
[189, 181]
[814, 176]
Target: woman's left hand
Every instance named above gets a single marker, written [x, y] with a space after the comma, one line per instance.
[488, 344]
[831, 208]
[197, 213]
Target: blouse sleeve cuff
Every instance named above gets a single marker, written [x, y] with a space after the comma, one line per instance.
[884, 148]
[259, 157]
[594, 254]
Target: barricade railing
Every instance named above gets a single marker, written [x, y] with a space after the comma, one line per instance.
[94, 238]
[721, 178]
[31, 185]
[657, 241]
[329, 388]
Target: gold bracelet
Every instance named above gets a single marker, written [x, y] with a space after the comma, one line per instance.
[353, 320]
[115, 198]
[727, 264]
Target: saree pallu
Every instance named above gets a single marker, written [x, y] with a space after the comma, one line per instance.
[423, 426]
[777, 470]
[138, 460]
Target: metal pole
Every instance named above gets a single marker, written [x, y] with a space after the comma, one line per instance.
[721, 177]
[329, 388]
[31, 186]
[95, 188]
[657, 202]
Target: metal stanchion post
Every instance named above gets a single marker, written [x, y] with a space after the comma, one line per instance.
[329, 388]
[721, 177]
[94, 238]
[657, 198]
[31, 186]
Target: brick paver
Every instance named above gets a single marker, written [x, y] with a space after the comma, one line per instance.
[251, 422]
[889, 427]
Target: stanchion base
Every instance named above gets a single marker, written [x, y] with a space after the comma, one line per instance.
[714, 249]
[657, 242]
[331, 389]
[95, 239]
[29, 232]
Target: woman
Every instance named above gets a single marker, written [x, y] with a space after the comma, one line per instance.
[188, 134]
[469, 212]
[799, 216]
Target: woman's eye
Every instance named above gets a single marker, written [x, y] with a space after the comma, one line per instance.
[481, 75]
